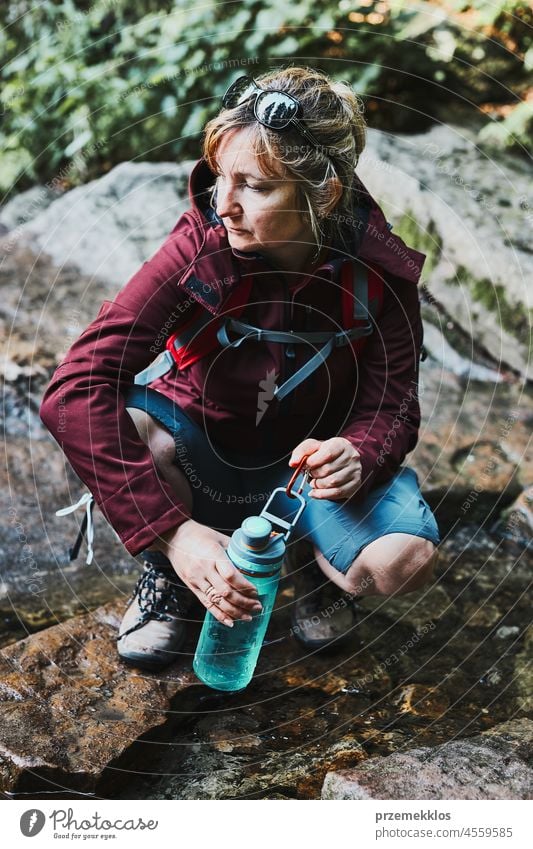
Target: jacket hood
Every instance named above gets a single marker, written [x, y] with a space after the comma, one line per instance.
[368, 230]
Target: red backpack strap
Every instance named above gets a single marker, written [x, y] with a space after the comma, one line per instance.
[198, 337]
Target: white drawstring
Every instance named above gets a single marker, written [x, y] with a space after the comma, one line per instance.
[88, 500]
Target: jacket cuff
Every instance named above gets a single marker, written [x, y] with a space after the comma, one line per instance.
[372, 472]
[142, 510]
[151, 533]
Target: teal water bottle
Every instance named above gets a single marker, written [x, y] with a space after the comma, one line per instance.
[225, 657]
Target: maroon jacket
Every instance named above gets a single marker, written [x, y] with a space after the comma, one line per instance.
[373, 402]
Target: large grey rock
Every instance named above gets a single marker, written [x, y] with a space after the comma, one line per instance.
[110, 226]
[440, 350]
[472, 216]
[494, 765]
[25, 207]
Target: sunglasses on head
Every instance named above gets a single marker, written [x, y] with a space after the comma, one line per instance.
[273, 109]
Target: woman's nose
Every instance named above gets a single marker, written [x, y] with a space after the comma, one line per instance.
[226, 201]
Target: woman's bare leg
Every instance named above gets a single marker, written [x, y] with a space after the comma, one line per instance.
[394, 564]
[163, 449]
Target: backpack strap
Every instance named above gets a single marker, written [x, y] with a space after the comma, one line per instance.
[355, 301]
[195, 339]
[355, 280]
[355, 284]
[252, 333]
[158, 368]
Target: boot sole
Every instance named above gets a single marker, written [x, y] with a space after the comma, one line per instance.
[149, 665]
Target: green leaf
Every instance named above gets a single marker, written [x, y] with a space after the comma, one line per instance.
[80, 141]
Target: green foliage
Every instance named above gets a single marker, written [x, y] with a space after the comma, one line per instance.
[515, 318]
[88, 84]
[427, 240]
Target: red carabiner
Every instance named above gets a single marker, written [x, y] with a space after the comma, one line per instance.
[297, 471]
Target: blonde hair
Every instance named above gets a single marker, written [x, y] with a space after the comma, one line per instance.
[334, 115]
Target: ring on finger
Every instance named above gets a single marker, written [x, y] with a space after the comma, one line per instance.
[211, 593]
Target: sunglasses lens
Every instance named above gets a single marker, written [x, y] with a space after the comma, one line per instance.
[240, 90]
[275, 109]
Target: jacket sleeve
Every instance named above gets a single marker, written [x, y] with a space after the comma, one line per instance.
[385, 417]
[83, 406]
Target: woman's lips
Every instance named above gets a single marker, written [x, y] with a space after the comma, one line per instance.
[236, 230]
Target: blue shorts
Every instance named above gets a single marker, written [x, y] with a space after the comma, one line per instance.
[226, 489]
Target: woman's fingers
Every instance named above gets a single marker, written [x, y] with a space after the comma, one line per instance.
[233, 577]
[210, 598]
[228, 600]
[337, 478]
[216, 612]
[325, 461]
[308, 446]
[209, 603]
[332, 494]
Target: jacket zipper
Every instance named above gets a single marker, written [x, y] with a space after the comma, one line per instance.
[288, 355]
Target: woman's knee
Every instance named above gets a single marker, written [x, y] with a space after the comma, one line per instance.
[392, 565]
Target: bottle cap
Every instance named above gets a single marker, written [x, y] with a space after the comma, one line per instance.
[256, 532]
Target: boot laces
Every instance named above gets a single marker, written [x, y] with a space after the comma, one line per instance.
[159, 597]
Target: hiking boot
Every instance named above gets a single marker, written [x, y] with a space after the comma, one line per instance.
[153, 629]
[323, 615]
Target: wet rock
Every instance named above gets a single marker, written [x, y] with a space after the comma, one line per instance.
[474, 482]
[110, 226]
[473, 458]
[516, 521]
[221, 760]
[69, 707]
[304, 713]
[493, 765]
[40, 586]
[418, 610]
[420, 700]
[485, 570]
[230, 734]
[523, 674]
[481, 615]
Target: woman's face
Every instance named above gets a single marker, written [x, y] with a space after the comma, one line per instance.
[260, 213]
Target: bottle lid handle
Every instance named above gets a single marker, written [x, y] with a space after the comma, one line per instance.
[276, 520]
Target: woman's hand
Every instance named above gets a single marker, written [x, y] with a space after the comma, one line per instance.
[334, 465]
[198, 556]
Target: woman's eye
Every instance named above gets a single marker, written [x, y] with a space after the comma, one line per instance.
[220, 178]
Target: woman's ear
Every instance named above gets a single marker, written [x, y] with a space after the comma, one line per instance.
[335, 194]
